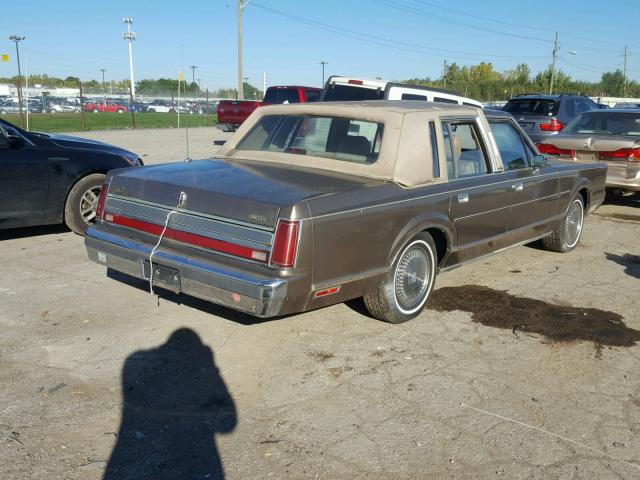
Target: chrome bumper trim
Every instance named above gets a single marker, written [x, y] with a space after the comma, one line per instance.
[259, 296]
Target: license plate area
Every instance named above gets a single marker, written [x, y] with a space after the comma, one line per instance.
[165, 277]
[527, 125]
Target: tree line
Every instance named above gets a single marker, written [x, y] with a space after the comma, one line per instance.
[481, 82]
[484, 83]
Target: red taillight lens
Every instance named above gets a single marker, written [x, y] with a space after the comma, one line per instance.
[553, 126]
[548, 149]
[630, 154]
[355, 82]
[101, 201]
[285, 244]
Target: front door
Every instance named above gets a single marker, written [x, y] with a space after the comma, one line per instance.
[24, 182]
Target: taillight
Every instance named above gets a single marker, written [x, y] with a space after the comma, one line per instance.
[355, 82]
[285, 244]
[548, 149]
[630, 154]
[553, 126]
[102, 199]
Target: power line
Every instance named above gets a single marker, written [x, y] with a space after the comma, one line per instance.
[422, 13]
[382, 41]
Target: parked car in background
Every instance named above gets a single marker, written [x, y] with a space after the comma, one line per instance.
[611, 136]
[105, 107]
[351, 88]
[58, 105]
[232, 113]
[627, 105]
[313, 204]
[8, 106]
[160, 106]
[542, 116]
[49, 179]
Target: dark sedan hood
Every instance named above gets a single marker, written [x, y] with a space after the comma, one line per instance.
[247, 191]
[68, 141]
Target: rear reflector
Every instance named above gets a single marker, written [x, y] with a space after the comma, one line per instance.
[101, 201]
[630, 154]
[285, 244]
[192, 239]
[548, 149]
[355, 82]
[326, 291]
[553, 126]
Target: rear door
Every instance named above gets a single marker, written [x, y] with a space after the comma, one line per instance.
[480, 198]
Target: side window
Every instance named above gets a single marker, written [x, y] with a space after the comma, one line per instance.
[435, 157]
[3, 137]
[570, 108]
[444, 100]
[312, 96]
[583, 105]
[513, 150]
[412, 96]
[465, 157]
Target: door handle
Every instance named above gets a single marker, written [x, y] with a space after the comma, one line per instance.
[517, 187]
[463, 197]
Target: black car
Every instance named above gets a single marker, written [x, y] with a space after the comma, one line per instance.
[46, 179]
[544, 115]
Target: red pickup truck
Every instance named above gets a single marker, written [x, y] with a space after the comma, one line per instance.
[231, 113]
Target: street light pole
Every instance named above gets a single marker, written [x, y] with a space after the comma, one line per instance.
[193, 77]
[323, 63]
[17, 39]
[104, 93]
[241, 5]
[556, 57]
[130, 37]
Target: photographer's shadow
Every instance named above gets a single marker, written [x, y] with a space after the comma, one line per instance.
[175, 401]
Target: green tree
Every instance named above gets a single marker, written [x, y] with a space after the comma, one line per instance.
[612, 83]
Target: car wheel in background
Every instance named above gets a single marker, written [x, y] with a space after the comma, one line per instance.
[82, 201]
[120, 110]
[405, 289]
[566, 235]
[95, 110]
[151, 110]
[76, 110]
[53, 110]
[3, 112]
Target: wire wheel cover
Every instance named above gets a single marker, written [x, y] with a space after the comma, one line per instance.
[412, 278]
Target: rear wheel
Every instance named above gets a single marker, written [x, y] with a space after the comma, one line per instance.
[53, 110]
[120, 110]
[82, 201]
[404, 291]
[567, 234]
[95, 110]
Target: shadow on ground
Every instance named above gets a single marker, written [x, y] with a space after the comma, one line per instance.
[495, 308]
[631, 263]
[175, 401]
[15, 233]
[623, 200]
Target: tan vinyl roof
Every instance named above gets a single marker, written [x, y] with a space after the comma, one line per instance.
[405, 152]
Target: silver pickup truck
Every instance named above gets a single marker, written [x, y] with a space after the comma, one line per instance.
[309, 205]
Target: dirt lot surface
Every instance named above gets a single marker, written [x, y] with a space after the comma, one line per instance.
[524, 365]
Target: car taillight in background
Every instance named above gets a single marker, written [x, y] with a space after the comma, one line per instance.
[548, 149]
[101, 201]
[285, 243]
[553, 126]
[630, 154]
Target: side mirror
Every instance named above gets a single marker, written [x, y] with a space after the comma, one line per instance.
[539, 161]
[14, 141]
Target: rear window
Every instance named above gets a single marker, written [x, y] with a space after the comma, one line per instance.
[282, 95]
[329, 137]
[342, 93]
[610, 123]
[532, 107]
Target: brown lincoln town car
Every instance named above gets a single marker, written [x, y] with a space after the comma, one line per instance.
[313, 204]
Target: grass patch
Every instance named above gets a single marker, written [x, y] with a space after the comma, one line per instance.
[72, 122]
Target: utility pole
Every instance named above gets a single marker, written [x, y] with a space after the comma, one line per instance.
[130, 37]
[241, 5]
[323, 63]
[444, 74]
[193, 73]
[624, 85]
[17, 39]
[246, 80]
[264, 84]
[553, 64]
[104, 93]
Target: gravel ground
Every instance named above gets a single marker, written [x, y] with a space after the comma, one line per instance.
[524, 365]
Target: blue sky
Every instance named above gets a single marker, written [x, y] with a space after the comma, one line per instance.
[392, 39]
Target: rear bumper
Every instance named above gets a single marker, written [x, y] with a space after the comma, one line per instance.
[617, 181]
[249, 293]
